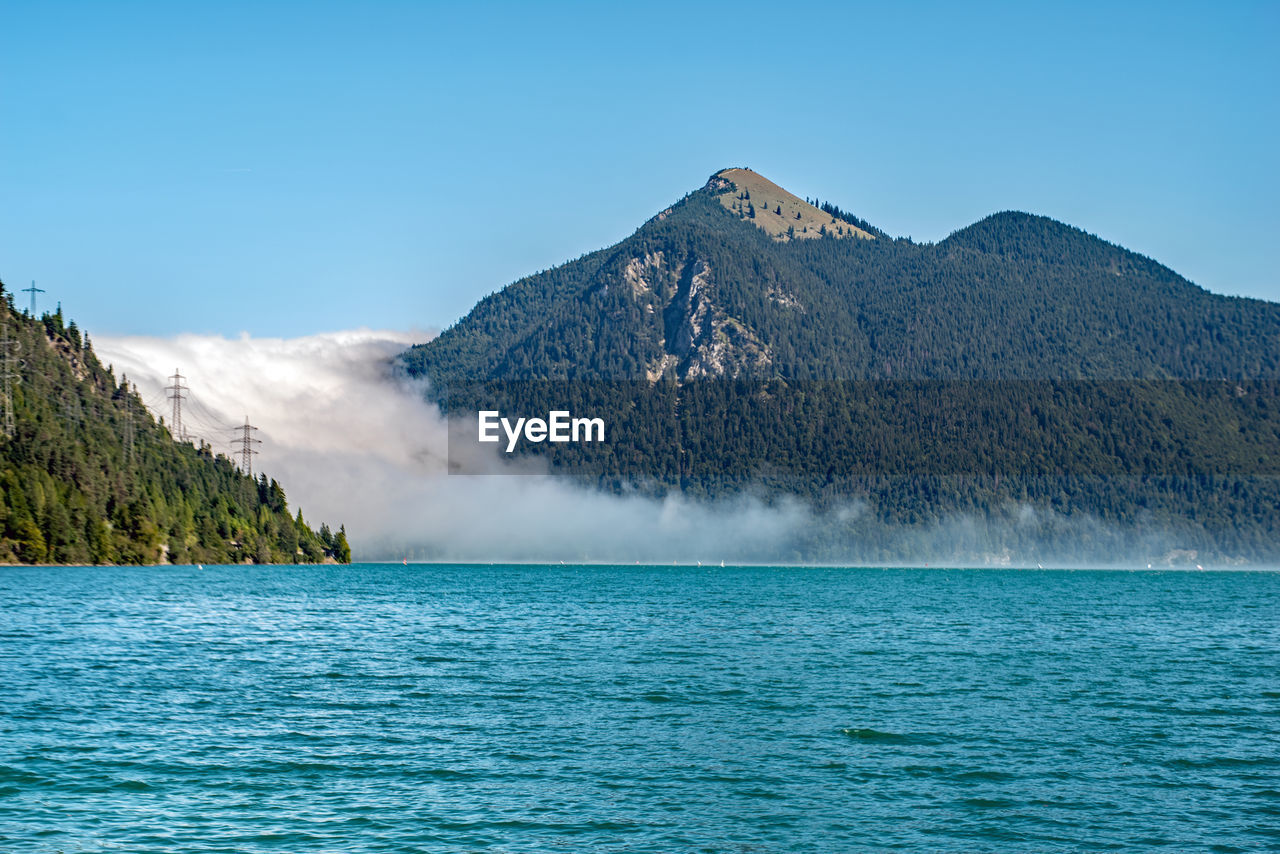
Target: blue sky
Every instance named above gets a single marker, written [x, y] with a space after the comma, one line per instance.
[286, 168]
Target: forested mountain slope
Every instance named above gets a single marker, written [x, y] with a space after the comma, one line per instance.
[88, 476]
[1019, 363]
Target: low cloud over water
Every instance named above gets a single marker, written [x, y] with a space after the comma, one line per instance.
[354, 442]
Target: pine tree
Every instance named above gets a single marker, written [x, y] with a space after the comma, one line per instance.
[341, 551]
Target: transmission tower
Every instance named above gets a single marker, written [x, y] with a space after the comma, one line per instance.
[175, 426]
[33, 290]
[129, 429]
[246, 443]
[8, 365]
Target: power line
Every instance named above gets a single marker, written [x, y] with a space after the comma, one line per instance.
[246, 443]
[192, 419]
[184, 412]
[205, 421]
[208, 422]
[206, 418]
[155, 403]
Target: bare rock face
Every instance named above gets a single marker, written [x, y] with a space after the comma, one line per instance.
[718, 183]
[690, 311]
[78, 367]
[642, 274]
[699, 338]
[784, 298]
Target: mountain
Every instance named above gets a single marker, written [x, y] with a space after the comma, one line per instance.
[748, 340]
[706, 288]
[87, 476]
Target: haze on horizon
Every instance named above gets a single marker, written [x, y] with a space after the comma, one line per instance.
[296, 168]
[354, 442]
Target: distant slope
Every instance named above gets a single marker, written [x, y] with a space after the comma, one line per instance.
[88, 476]
[1020, 361]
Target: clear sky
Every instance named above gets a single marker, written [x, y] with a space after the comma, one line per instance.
[285, 168]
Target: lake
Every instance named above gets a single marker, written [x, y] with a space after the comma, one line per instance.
[442, 708]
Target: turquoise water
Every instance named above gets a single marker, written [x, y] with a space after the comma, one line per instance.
[529, 709]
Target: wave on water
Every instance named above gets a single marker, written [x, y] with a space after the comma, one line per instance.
[872, 736]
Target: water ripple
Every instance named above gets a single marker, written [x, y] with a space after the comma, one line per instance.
[637, 709]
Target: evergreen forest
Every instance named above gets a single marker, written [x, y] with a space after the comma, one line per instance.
[88, 476]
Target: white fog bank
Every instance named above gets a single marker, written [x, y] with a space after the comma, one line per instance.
[354, 442]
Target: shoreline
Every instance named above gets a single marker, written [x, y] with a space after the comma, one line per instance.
[680, 565]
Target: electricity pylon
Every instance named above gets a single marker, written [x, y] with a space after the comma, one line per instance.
[8, 346]
[129, 435]
[33, 290]
[175, 426]
[246, 443]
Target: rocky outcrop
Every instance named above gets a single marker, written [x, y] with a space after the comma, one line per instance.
[643, 274]
[699, 338]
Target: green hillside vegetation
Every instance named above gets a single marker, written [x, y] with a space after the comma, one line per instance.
[1020, 362]
[89, 477]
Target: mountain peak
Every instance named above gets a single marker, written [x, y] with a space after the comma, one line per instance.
[783, 215]
[1039, 238]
